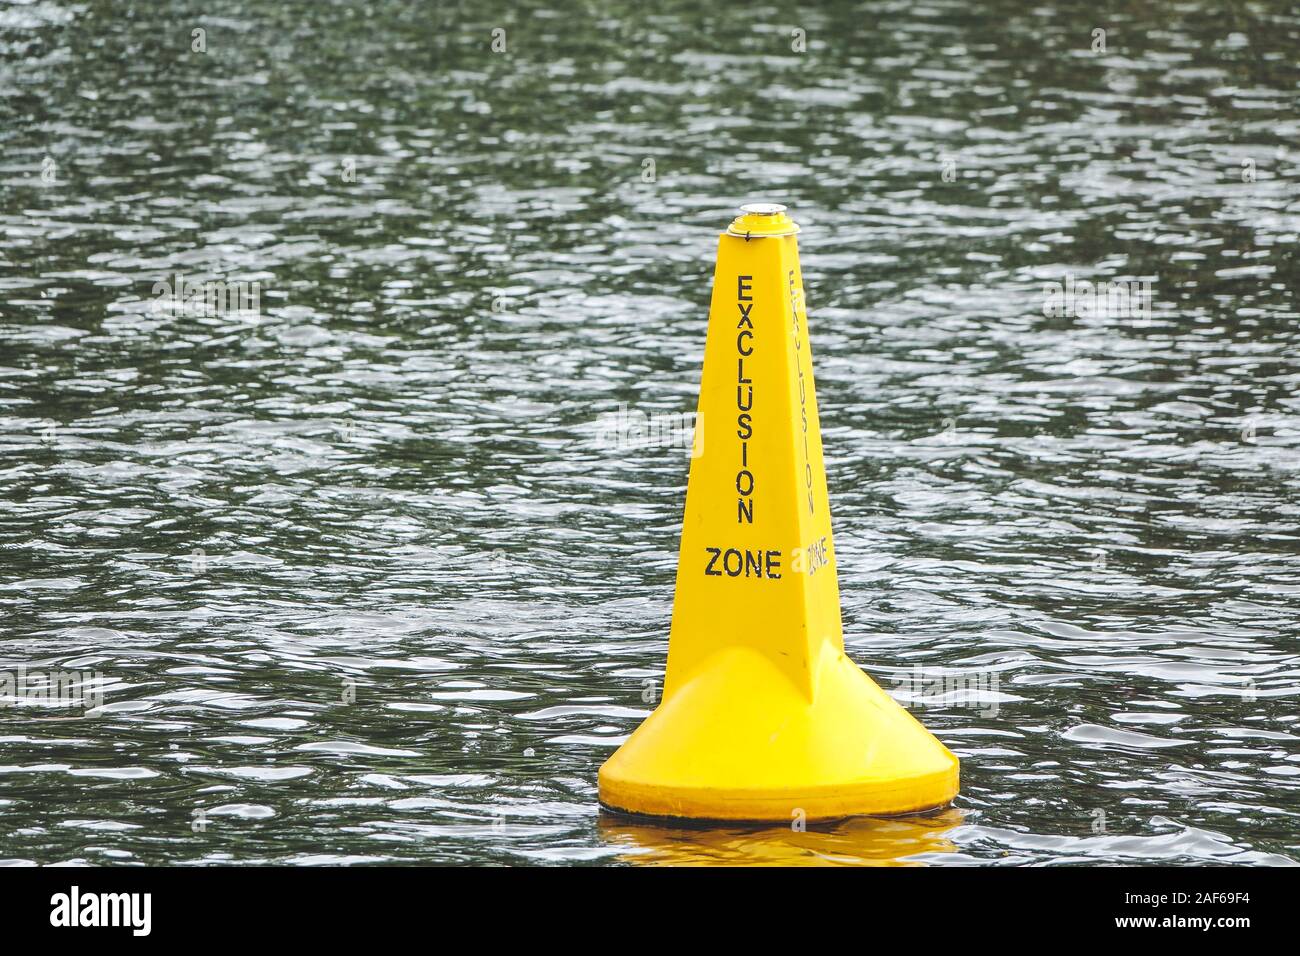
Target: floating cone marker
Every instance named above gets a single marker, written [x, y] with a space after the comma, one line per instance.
[763, 716]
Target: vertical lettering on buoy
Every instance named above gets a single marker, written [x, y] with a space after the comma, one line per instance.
[795, 303]
[744, 400]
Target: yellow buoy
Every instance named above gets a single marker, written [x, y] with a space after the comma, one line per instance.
[763, 716]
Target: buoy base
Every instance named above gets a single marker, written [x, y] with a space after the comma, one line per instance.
[738, 742]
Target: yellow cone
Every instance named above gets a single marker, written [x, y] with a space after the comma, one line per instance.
[763, 717]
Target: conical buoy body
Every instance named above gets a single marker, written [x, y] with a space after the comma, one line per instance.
[763, 716]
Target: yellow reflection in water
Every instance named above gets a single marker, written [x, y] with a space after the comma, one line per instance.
[864, 841]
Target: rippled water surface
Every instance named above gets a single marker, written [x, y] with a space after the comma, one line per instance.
[360, 583]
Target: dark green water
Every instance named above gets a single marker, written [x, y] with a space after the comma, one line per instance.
[360, 586]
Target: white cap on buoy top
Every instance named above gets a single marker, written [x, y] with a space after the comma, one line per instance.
[759, 220]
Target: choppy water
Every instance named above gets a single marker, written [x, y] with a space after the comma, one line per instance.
[363, 587]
